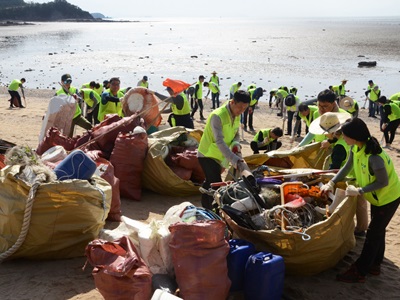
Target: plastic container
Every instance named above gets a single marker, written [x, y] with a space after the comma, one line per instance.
[264, 277]
[239, 252]
[163, 295]
[77, 165]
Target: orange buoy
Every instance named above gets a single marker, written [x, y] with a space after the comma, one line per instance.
[141, 100]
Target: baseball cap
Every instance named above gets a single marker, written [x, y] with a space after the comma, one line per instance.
[145, 78]
[66, 77]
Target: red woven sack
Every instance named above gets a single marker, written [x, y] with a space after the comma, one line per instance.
[107, 173]
[53, 138]
[119, 271]
[199, 252]
[128, 158]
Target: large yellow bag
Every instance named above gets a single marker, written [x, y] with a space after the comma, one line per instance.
[330, 240]
[157, 176]
[65, 216]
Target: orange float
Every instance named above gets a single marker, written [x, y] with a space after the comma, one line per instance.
[141, 100]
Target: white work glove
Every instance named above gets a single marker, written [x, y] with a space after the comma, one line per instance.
[241, 166]
[329, 187]
[352, 191]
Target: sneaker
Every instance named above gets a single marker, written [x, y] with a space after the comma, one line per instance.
[387, 146]
[287, 133]
[202, 118]
[360, 233]
[22, 106]
[375, 117]
[251, 129]
[245, 128]
[375, 270]
[351, 276]
[279, 114]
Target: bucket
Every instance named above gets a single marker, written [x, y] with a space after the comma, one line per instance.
[264, 277]
[239, 252]
[77, 165]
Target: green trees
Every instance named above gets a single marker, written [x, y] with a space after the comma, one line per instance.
[18, 10]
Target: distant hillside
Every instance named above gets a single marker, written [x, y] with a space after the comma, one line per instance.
[98, 15]
[18, 10]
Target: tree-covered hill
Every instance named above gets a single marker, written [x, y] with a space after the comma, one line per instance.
[19, 10]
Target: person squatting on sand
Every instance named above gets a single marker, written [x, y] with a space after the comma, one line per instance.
[266, 139]
[390, 120]
[13, 91]
[219, 145]
[67, 89]
[379, 183]
[110, 100]
[180, 110]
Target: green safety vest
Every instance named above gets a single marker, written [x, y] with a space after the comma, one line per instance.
[395, 97]
[110, 107]
[281, 93]
[308, 119]
[353, 108]
[265, 133]
[72, 90]
[213, 87]
[252, 101]
[185, 109]
[199, 94]
[335, 89]
[214, 79]
[373, 95]
[86, 97]
[234, 88]
[207, 145]
[14, 85]
[144, 84]
[342, 90]
[361, 170]
[395, 112]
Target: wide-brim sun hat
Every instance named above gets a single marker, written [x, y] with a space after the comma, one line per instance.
[214, 72]
[328, 123]
[346, 103]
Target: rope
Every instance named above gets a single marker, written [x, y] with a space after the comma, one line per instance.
[25, 223]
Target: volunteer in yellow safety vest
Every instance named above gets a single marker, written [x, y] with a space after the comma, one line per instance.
[255, 95]
[95, 86]
[292, 103]
[306, 113]
[350, 105]
[374, 93]
[390, 120]
[180, 110]
[377, 180]
[395, 97]
[280, 94]
[214, 78]
[110, 100]
[219, 145]
[13, 91]
[234, 88]
[326, 102]
[92, 100]
[144, 82]
[214, 88]
[198, 96]
[266, 139]
[78, 119]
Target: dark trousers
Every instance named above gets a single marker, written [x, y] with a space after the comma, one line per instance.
[374, 246]
[180, 120]
[81, 122]
[92, 116]
[373, 106]
[215, 100]
[390, 131]
[212, 170]
[15, 94]
[274, 145]
[290, 115]
[250, 115]
[198, 104]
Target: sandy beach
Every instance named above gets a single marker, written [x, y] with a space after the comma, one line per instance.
[65, 279]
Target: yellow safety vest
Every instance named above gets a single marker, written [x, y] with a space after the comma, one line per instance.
[14, 85]
[185, 109]
[208, 146]
[110, 107]
[361, 169]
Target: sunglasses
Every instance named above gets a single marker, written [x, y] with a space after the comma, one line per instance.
[67, 81]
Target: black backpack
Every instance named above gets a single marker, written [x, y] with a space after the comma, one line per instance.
[290, 100]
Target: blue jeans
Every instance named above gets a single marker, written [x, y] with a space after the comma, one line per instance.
[215, 100]
[372, 108]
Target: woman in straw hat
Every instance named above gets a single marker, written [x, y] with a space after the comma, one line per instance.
[349, 105]
[379, 183]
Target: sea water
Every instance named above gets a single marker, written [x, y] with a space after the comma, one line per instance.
[310, 54]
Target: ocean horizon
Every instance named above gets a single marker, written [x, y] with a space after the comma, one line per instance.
[308, 53]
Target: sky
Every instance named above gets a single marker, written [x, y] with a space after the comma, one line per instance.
[238, 8]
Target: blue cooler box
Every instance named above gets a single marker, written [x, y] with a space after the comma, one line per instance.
[239, 252]
[264, 277]
[77, 165]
